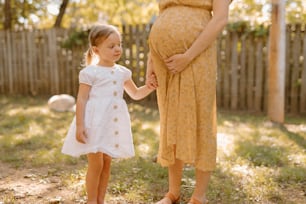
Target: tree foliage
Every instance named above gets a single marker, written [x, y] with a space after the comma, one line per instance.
[258, 11]
[82, 13]
[23, 13]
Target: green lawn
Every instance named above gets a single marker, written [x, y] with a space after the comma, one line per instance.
[258, 161]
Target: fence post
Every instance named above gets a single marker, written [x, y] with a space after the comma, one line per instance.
[276, 98]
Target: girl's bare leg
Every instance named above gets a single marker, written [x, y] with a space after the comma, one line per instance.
[104, 177]
[175, 176]
[95, 166]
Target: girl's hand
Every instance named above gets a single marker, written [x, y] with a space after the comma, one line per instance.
[81, 136]
[177, 63]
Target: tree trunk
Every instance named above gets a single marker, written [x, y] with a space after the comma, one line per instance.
[61, 13]
[7, 15]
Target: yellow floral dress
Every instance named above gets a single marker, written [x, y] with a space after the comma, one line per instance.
[187, 101]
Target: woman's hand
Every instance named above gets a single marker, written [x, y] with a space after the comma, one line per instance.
[177, 63]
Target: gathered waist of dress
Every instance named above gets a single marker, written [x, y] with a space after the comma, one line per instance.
[202, 7]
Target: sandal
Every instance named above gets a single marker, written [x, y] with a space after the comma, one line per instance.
[196, 201]
[172, 198]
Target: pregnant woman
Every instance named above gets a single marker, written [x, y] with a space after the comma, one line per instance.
[183, 53]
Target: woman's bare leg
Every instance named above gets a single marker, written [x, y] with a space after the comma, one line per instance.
[175, 176]
[104, 177]
[202, 180]
[95, 166]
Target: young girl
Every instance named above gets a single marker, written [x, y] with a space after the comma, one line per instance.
[101, 128]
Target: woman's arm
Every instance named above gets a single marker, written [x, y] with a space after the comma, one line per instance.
[150, 73]
[82, 99]
[177, 63]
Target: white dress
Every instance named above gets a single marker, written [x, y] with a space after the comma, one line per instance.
[107, 120]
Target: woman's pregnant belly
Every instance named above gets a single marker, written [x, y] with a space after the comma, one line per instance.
[176, 28]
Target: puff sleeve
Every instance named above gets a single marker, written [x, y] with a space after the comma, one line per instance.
[127, 74]
[85, 77]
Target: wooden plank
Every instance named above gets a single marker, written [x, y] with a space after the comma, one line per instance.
[63, 69]
[259, 75]
[226, 87]
[243, 76]
[265, 95]
[46, 85]
[250, 73]
[25, 58]
[303, 77]
[234, 72]
[142, 54]
[53, 61]
[18, 80]
[36, 65]
[220, 64]
[39, 66]
[136, 68]
[124, 45]
[2, 62]
[77, 54]
[14, 61]
[295, 71]
[131, 48]
[9, 61]
[30, 55]
[287, 69]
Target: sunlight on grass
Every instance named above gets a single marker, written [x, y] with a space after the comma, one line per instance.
[225, 144]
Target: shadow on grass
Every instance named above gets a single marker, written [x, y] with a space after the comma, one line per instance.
[31, 134]
[262, 155]
[297, 138]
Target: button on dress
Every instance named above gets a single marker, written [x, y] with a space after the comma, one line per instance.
[187, 100]
[107, 120]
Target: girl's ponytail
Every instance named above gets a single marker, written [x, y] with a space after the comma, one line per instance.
[88, 57]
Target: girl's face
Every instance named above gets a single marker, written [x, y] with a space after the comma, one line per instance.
[110, 50]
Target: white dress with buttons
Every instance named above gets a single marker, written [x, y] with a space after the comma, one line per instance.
[107, 120]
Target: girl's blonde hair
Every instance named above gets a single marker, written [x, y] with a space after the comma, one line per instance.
[98, 33]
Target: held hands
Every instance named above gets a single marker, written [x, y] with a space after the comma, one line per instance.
[151, 81]
[177, 63]
[81, 136]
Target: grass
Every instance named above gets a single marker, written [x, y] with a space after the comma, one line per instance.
[258, 161]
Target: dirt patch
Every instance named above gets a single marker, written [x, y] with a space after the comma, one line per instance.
[33, 186]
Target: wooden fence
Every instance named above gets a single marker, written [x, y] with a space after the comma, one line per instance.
[35, 63]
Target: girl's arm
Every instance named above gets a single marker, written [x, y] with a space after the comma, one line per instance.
[82, 99]
[135, 92]
[177, 63]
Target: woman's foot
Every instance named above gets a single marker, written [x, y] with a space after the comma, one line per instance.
[169, 198]
[196, 201]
